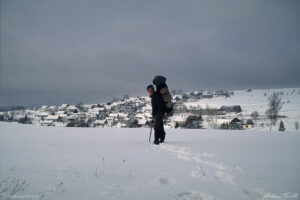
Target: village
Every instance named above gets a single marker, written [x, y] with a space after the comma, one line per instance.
[134, 112]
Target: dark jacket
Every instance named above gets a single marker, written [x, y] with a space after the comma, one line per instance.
[158, 106]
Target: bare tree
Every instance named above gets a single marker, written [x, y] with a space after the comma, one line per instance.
[254, 115]
[297, 125]
[275, 105]
[211, 117]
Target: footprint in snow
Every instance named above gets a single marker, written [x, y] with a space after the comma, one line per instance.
[207, 168]
[166, 181]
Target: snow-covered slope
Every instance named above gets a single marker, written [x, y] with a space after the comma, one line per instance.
[108, 163]
[257, 100]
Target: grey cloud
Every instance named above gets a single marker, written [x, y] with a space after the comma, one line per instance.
[90, 51]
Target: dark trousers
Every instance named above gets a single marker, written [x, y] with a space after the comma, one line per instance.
[159, 131]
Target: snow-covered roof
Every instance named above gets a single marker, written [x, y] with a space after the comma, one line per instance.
[115, 104]
[220, 121]
[142, 121]
[100, 121]
[118, 125]
[140, 115]
[44, 107]
[64, 105]
[18, 116]
[148, 114]
[113, 114]
[123, 115]
[126, 119]
[52, 117]
[179, 118]
[62, 115]
[59, 124]
[42, 114]
[71, 108]
[96, 109]
[46, 122]
[72, 117]
[179, 96]
[91, 114]
[147, 108]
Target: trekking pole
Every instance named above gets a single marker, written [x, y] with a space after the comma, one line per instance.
[150, 131]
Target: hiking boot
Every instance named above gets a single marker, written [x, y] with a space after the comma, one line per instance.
[156, 142]
[161, 141]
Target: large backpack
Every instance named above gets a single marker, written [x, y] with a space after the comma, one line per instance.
[162, 88]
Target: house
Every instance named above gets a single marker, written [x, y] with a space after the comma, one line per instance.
[123, 115]
[60, 112]
[236, 124]
[235, 108]
[185, 97]
[63, 118]
[59, 124]
[249, 124]
[113, 115]
[46, 123]
[63, 106]
[148, 114]
[100, 122]
[179, 120]
[146, 108]
[133, 123]
[142, 122]
[111, 122]
[71, 117]
[90, 116]
[222, 93]
[52, 108]
[96, 110]
[246, 126]
[17, 117]
[71, 108]
[207, 96]
[236, 121]
[52, 117]
[126, 119]
[42, 114]
[139, 115]
[1, 116]
[44, 108]
[193, 121]
[177, 98]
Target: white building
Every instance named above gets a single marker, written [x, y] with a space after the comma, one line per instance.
[42, 114]
[52, 117]
[46, 123]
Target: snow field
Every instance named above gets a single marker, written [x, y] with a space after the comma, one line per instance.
[109, 163]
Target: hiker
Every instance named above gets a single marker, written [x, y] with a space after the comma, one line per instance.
[158, 113]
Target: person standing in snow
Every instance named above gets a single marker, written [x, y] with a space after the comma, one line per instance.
[158, 113]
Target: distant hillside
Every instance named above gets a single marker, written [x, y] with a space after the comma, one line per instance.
[8, 108]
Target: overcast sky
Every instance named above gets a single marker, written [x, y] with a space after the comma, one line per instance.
[71, 51]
